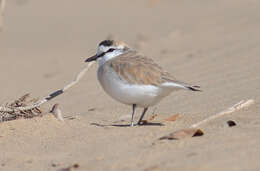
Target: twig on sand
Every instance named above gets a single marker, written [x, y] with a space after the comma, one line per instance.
[2, 9]
[193, 130]
[10, 109]
[238, 106]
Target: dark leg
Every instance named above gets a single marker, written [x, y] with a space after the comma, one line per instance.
[141, 118]
[132, 121]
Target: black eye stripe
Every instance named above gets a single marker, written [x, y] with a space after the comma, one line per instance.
[111, 50]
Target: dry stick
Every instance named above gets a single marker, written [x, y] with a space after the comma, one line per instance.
[193, 130]
[230, 110]
[49, 97]
[2, 9]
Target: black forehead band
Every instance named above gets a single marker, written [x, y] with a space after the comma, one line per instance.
[106, 43]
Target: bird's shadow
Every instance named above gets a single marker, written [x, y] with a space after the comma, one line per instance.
[126, 125]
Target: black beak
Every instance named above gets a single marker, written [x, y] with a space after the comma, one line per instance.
[95, 57]
[92, 58]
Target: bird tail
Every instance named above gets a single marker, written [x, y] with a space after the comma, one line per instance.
[193, 88]
[181, 85]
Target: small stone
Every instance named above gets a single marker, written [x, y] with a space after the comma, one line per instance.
[231, 123]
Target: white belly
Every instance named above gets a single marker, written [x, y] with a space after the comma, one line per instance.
[141, 95]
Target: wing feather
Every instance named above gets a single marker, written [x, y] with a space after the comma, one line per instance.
[138, 69]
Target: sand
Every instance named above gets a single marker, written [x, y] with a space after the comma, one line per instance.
[214, 44]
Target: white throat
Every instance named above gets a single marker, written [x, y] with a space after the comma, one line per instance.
[108, 56]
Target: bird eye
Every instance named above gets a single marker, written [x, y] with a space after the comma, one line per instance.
[111, 50]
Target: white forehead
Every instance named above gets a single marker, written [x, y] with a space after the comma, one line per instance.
[103, 48]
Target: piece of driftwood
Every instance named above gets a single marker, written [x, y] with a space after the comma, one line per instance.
[194, 130]
[24, 107]
[236, 107]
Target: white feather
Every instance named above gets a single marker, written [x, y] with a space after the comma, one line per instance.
[173, 86]
[141, 95]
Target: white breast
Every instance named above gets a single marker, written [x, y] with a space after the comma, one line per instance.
[120, 90]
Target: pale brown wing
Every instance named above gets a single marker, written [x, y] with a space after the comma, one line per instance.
[138, 69]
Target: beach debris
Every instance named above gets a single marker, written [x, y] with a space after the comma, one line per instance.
[57, 112]
[231, 123]
[183, 133]
[173, 117]
[20, 103]
[236, 107]
[193, 130]
[74, 166]
[19, 108]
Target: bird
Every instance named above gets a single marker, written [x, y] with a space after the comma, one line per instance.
[132, 78]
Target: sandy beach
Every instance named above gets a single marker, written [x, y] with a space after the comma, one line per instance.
[214, 44]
